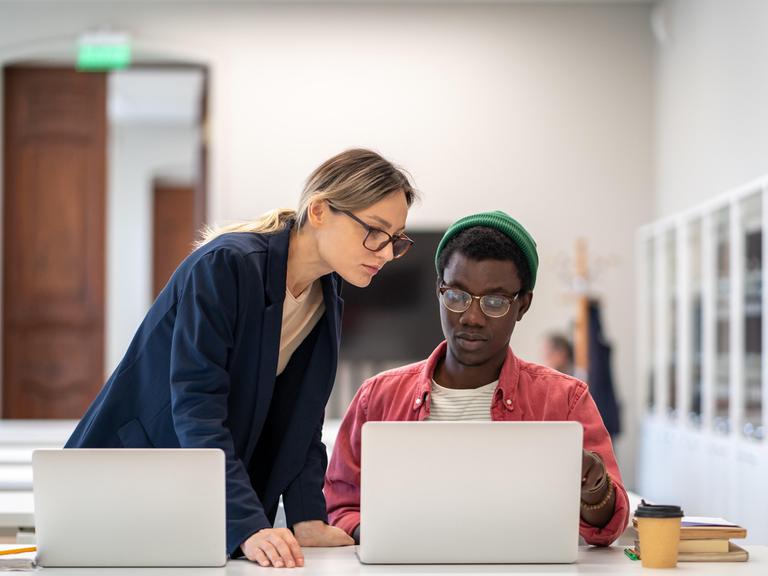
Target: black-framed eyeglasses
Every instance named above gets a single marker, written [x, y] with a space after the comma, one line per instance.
[376, 239]
[492, 305]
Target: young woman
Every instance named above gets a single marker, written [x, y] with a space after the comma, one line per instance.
[239, 351]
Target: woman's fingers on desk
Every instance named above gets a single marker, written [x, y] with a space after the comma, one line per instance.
[276, 547]
[317, 533]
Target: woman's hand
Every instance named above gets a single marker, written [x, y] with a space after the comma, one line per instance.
[276, 547]
[313, 533]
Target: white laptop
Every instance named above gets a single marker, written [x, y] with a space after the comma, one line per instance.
[470, 492]
[130, 507]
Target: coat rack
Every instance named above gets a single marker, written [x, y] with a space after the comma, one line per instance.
[581, 332]
[579, 275]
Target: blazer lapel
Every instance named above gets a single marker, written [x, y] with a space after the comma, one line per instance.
[313, 377]
[276, 268]
[334, 308]
[274, 295]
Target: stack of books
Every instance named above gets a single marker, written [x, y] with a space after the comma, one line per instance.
[704, 539]
[14, 557]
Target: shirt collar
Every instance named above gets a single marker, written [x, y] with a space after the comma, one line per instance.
[506, 391]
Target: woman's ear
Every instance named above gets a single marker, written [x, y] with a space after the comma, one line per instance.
[317, 212]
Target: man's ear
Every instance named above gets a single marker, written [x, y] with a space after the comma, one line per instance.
[317, 212]
[525, 304]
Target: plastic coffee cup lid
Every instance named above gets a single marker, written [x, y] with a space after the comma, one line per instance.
[646, 510]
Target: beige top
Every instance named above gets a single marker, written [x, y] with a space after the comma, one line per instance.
[300, 315]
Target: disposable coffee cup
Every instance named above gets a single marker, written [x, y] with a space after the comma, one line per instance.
[659, 528]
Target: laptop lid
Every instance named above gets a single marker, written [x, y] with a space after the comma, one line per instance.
[130, 507]
[470, 492]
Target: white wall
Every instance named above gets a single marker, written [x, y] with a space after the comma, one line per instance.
[711, 94]
[545, 111]
[137, 155]
[153, 133]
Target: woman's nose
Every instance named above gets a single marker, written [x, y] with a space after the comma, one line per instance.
[388, 252]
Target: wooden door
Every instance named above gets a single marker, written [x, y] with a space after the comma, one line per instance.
[53, 241]
[173, 229]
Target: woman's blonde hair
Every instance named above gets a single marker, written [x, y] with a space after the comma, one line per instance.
[352, 180]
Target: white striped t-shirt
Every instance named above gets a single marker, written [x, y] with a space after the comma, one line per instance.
[453, 404]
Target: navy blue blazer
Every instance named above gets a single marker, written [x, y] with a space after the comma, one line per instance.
[200, 373]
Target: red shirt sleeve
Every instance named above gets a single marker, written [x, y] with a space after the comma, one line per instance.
[342, 480]
[597, 439]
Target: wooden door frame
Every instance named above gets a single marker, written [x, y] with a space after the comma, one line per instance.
[202, 180]
[201, 184]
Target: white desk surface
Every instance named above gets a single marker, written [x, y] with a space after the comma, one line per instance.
[16, 477]
[344, 562]
[35, 433]
[17, 509]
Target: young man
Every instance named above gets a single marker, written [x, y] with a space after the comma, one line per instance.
[486, 272]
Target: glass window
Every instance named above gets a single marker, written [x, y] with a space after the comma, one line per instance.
[671, 306]
[650, 286]
[696, 319]
[722, 314]
[753, 315]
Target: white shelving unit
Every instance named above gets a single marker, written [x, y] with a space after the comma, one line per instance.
[702, 358]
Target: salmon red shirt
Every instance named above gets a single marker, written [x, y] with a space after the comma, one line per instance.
[526, 392]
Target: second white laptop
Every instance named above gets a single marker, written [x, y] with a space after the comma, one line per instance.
[470, 492]
[130, 507]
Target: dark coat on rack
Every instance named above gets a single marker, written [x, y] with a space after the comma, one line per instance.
[600, 376]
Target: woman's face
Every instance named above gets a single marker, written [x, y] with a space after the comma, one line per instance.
[340, 238]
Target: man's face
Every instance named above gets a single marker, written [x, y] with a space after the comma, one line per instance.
[474, 338]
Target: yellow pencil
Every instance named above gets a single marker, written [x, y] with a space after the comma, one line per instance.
[18, 550]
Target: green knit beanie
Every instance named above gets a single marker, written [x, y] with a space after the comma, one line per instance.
[503, 223]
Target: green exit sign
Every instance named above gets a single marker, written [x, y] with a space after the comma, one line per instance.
[103, 51]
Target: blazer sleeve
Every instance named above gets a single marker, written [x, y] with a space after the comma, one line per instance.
[304, 499]
[597, 439]
[203, 337]
[342, 483]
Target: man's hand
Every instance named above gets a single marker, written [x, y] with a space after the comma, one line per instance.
[313, 533]
[273, 547]
[596, 491]
[592, 472]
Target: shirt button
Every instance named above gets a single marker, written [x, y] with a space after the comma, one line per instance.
[509, 402]
[418, 401]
